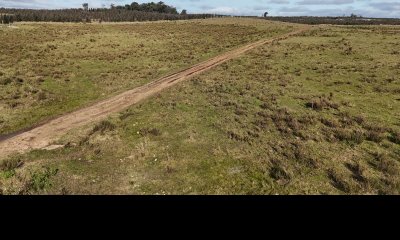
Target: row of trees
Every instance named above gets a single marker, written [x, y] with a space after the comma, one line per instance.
[6, 19]
[109, 15]
[159, 7]
[352, 20]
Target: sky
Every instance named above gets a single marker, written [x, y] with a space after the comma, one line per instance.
[366, 8]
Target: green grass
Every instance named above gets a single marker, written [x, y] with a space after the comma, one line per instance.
[49, 69]
[246, 127]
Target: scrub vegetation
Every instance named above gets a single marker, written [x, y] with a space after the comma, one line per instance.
[317, 113]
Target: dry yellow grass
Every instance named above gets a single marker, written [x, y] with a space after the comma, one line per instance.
[314, 114]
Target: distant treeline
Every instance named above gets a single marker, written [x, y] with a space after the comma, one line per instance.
[6, 18]
[109, 15]
[353, 20]
[159, 7]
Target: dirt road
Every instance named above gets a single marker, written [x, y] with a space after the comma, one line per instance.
[42, 136]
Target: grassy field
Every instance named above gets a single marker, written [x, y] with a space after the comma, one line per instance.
[50, 69]
[314, 114]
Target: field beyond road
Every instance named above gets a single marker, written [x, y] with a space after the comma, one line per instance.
[317, 113]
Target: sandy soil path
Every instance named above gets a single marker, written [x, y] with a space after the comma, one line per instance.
[43, 135]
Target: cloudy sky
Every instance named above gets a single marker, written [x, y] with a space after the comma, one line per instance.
[370, 8]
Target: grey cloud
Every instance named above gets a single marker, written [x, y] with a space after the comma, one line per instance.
[325, 2]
